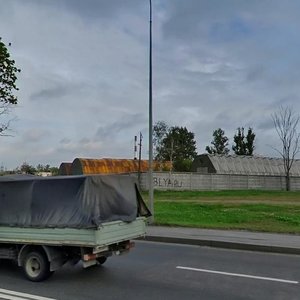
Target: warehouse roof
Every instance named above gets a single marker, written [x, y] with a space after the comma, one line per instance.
[108, 166]
[238, 164]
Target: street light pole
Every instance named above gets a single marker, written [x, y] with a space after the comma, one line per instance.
[151, 202]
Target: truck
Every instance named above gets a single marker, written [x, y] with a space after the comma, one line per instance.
[48, 222]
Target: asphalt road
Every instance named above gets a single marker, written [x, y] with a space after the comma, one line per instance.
[166, 271]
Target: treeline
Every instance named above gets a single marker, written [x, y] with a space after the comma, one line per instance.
[243, 144]
[177, 144]
[26, 168]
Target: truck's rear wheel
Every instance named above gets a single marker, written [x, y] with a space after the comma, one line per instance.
[36, 266]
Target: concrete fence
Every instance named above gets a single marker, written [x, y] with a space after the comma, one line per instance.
[196, 181]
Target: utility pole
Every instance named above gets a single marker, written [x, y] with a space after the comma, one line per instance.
[140, 159]
[151, 202]
[135, 148]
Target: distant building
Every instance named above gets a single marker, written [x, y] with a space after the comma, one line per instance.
[109, 166]
[65, 168]
[44, 174]
[243, 165]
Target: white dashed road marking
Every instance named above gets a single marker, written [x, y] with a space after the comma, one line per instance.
[238, 275]
[12, 295]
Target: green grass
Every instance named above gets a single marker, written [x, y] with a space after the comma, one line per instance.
[274, 211]
[251, 195]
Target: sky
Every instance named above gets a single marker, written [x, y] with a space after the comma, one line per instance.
[83, 88]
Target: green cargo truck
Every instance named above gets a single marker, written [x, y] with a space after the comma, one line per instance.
[47, 222]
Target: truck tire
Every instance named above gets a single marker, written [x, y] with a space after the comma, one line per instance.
[36, 266]
[101, 260]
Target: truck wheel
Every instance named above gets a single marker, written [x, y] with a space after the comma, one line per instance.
[101, 260]
[36, 266]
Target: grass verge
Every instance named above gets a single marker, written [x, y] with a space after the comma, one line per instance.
[244, 210]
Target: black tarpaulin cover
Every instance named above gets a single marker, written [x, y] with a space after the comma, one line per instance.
[69, 201]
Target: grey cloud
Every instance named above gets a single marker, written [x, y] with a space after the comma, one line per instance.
[229, 31]
[290, 100]
[50, 93]
[266, 124]
[91, 10]
[6, 8]
[35, 135]
[84, 140]
[186, 21]
[127, 123]
[223, 118]
[65, 141]
[255, 73]
[103, 8]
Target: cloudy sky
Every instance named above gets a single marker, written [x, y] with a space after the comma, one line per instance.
[83, 89]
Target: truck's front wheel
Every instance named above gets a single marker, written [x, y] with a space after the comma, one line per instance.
[36, 266]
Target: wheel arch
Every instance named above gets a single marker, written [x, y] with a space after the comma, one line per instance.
[25, 249]
[54, 255]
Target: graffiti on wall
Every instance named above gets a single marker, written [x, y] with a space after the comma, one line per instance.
[166, 182]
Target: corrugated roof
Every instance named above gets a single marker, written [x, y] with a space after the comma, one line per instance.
[108, 166]
[252, 165]
[65, 168]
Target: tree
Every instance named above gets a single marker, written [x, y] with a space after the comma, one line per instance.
[42, 168]
[183, 165]
[238, 139]
[8, 78]
[244, 145]
[179, 147]
[286, 123]
[160, 130]
[27, 169]
[250, 142]
[219, 142]
[47, 168]
[54, 171]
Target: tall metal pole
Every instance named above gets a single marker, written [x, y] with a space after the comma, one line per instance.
[151, 202]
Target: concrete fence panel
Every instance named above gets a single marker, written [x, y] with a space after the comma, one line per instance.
[196, 181]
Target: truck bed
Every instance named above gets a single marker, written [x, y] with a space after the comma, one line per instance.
[106, 234]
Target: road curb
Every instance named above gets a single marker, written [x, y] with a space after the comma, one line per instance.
[223, 244]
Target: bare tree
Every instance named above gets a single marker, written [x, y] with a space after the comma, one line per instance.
[5, 127]
[286, 123]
